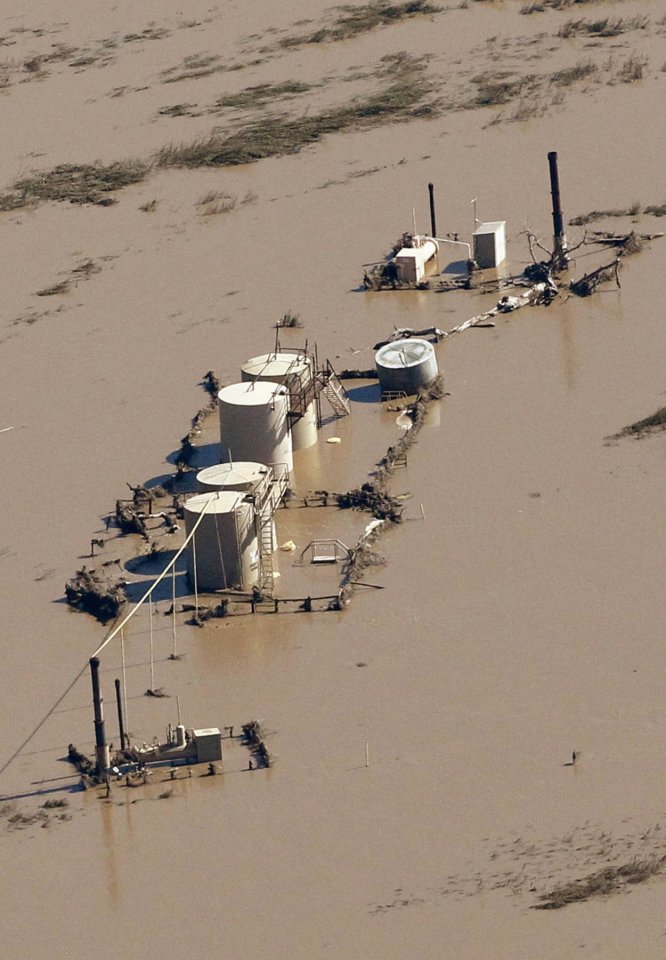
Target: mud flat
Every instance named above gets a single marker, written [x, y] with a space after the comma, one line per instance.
[520, 621]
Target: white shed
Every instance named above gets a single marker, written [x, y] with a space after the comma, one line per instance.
[490, 244]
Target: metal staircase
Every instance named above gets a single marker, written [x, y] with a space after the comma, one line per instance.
[266, 499]
[333, 390]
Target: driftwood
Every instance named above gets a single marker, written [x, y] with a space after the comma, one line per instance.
[402, 333]
[587, 285]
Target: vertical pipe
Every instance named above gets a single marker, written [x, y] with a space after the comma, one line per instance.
[152, 653]
[174, 655]
[121, 721]
[558, 225]
[433, 222]
[122, 657]
[101, 746]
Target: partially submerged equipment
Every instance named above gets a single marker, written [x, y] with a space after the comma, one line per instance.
[410, 261]
[184, 746]
[405, 365]
[224, 552]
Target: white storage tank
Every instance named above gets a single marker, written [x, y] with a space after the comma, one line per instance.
[405, 365]
[490, 244]
[410, 262]
[254, 424]
[294, 369]
[245, 477]
[225, 544]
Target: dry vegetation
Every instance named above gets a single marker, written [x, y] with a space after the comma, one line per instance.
[78, 183]
[354, 20]
[602, 883]
[259, 95]
[606, 27]
[634, 210]
[273, 136]
[652, 424]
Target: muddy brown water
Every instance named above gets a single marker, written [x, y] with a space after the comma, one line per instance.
[520, 620]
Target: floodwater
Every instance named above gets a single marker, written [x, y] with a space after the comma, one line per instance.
[522, 611]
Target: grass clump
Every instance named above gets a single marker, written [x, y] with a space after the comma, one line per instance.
[607, 27]
[540, 6]
[289, 320]
[602, 883]
[353, 21]
[593, 215]
[656, 210]
[57, 288]
[82, 183]
[263, 93]
[633, 68]
[498, 88]
[193, 68]
[213, 203]
[570, 75]
[275, 136]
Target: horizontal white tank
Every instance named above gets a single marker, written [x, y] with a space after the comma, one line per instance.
[254, 425]
[294, 369]
[225, 544]
[405, 365]
[410, 262]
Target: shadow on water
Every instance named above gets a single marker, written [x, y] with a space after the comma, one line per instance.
[163, 591]
[370, 393]
[456, 266]
[152, 564]
[205, 455]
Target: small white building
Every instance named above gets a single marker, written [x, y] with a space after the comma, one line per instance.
[490, 244]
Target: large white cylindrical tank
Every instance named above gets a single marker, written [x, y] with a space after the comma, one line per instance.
[244, 476]
[239, 475]
[405, 365]
[225, 544]
[295, 371]
[254, 425]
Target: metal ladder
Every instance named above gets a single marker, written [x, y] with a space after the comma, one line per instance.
[334, 392]
[267, 497]
[266, 547]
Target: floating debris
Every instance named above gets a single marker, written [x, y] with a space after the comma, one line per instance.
[88, 591]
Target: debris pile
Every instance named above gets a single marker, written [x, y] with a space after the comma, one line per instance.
[95, 594]
[253, 738]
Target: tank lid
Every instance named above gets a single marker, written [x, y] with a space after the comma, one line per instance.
[218, 501]
[404, 353]
[251, 393]
[275, 365]
[244, 471]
